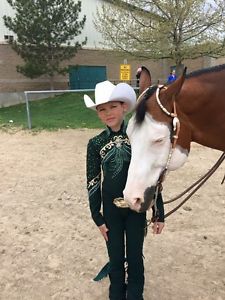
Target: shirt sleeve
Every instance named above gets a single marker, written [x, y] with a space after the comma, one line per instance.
[160, 208]
[93, 170]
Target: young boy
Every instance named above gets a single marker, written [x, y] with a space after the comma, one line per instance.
[108, 158]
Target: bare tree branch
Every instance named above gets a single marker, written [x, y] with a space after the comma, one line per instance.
[156, 29]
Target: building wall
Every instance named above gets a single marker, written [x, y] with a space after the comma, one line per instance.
[94, 38]
[88, 8]
[12, 81]
[5, 9]
[92, 55]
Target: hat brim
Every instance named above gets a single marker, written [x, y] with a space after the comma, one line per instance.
[90, 103]
[121, 93]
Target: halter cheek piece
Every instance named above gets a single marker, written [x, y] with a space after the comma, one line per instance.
[175, 126]
[173, 115]
[174, 137]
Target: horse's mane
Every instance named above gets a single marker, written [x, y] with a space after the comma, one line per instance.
[141, 107]
[206, 70]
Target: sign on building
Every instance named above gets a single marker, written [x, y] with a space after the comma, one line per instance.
[125, 71]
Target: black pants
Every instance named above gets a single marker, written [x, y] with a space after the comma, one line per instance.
[126, 237]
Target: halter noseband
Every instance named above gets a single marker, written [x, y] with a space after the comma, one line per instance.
[173, 115]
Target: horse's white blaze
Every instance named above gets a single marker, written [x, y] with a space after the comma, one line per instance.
[150, 144]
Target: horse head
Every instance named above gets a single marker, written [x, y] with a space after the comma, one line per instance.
[156, 148]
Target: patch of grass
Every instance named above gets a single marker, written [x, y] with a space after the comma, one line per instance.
[63, 111]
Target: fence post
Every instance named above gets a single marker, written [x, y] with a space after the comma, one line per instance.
[28, 110]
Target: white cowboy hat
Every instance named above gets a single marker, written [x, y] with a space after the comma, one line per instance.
[106, 91]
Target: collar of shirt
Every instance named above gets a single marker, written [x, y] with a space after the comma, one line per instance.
[121, 131]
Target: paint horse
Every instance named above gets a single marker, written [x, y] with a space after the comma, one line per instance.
[166, 121]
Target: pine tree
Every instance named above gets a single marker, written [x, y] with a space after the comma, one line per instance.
[45, 32]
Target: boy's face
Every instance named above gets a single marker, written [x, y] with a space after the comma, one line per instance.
[112, 114]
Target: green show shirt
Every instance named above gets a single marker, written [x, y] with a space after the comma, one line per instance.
[108, 159]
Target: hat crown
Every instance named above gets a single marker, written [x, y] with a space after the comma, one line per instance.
[105, 92]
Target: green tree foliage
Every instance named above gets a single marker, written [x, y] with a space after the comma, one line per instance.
[158, 29]
[45, 30]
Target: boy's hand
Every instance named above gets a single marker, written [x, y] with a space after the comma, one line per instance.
[103, 229]
[157, 227]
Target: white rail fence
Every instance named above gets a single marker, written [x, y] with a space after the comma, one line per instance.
[47, 92]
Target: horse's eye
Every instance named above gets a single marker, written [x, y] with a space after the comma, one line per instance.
[158, 141]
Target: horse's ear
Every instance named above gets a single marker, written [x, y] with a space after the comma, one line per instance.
[145, 79]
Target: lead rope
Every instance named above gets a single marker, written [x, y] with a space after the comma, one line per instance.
[199, 183]
[208, 174]
[222, 182]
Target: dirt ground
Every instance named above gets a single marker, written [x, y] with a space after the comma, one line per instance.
[51, 249]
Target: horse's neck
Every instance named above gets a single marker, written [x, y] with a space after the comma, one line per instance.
[201, 108]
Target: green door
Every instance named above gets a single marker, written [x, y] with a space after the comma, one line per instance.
[86, 77]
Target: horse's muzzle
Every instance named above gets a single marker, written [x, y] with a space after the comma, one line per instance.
[148, 199]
